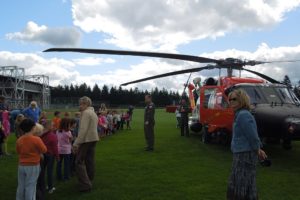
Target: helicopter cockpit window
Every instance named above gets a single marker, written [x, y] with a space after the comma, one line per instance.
[254, 94]
[271, 95]
[285, 95]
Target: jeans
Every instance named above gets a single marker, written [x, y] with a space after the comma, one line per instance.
[67, 166]
[27, 179]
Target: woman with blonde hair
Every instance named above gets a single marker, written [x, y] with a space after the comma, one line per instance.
[246, 148]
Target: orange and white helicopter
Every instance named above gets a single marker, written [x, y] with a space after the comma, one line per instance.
[274, 105]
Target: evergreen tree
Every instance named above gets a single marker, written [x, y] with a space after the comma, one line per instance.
[96, 93]
[105, 93]
[114, 96]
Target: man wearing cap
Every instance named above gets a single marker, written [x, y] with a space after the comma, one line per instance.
[149, 123]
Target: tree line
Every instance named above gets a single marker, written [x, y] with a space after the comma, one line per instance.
[113, 96]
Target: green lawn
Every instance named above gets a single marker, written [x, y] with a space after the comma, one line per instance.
[179, 168]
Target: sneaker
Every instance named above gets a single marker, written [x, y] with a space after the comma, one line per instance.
[51, 190]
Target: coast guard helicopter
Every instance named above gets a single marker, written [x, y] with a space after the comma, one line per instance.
[274, 105]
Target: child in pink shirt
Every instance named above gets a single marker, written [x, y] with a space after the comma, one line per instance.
[64, 137]
[6, 129]
[102, 124]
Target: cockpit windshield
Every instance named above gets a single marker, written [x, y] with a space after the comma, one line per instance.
[285, 95]
[268, 94]
[254, 94]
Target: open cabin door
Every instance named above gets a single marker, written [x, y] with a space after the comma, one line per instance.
[215, 112]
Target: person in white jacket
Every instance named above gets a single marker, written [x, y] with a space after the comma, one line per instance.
[85, 144]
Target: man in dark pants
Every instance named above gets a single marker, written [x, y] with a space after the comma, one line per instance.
[184, 111]
[149, 123]
[85, 144]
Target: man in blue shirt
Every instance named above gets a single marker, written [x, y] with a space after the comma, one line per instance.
[32, 112]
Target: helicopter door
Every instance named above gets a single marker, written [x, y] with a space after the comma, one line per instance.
[214, 109]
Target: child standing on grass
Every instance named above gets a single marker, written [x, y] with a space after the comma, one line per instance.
[73, 126]
[40, 186]
[50, 140]
[29, 148]
[102, 125]
[64, 137]
[6, 130]
[1, 139]
[18, 121]
[43, 118]
[56, 120]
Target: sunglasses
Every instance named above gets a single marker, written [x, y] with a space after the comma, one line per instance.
[232, 99]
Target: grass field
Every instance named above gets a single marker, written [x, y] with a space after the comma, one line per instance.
[179, 168]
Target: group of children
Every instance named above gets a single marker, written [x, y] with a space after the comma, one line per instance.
[41, 145]
[109, 121]
[54, 143]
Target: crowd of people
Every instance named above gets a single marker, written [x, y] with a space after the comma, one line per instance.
[72, 142]
[66, 142]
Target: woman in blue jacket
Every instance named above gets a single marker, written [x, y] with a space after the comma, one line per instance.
[246, 148]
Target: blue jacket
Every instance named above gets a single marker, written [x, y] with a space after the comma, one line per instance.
[244, 135]
[32, 114]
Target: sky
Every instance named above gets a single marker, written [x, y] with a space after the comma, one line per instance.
[265, 30]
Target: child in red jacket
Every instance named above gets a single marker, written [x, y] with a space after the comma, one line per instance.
[50, 140]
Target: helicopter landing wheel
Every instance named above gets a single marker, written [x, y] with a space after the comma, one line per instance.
[224, 138]
[205, 136]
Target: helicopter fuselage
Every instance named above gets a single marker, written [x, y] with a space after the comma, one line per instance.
[275, 109]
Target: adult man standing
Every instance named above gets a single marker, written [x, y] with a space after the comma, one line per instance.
[149, 123]
[85, 144]
[184, 111]
[32, 112]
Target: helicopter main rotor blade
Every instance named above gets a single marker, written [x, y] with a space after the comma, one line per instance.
[136, 53]
[171, 74]
[254, 62]
[271, 80]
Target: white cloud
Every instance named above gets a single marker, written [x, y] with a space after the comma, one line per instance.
[276, 70]
[92, 61]
[165, 24]
[62, 36]
[61, 71]
[58, 70]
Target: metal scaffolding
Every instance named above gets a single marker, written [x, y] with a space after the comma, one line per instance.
[12, 86]
[44, 95]
[19, 89]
